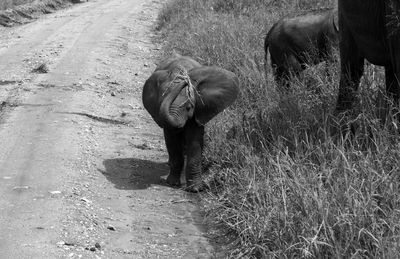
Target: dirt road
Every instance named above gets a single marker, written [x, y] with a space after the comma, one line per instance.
[81, 162]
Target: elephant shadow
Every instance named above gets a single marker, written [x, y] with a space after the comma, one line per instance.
[134, 174]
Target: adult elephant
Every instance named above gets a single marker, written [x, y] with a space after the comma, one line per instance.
[182, 96]
[369, 29]
[295, 43]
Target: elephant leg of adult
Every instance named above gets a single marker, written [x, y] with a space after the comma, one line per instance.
[350, 75]
[392, 84]
[194, 146]
[392, 72]
[392, 90]
[351, 70]
[174, 142]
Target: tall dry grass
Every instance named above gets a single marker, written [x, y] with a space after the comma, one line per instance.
[280, 186]
[22, 11]
[5, 4]
[10, 4]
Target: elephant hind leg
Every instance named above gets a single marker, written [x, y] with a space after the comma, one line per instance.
[194, 143]
[174, 143]
[351, 71]
[350, 76]
[351, 68]
[392, 84]
[392, 91]
[294, 65]
[291, 67]
[281, 77]
[280, 73]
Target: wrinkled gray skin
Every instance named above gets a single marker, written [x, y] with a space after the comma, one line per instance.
[369, 30]
[296, 43]
[183, 114]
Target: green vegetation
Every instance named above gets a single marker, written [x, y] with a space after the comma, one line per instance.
[280, 186]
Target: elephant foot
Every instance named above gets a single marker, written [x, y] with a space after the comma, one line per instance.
[174, 180]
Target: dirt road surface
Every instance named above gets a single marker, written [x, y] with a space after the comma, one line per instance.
[82, 165]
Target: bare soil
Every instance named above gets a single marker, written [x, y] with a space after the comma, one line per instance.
[82, 164]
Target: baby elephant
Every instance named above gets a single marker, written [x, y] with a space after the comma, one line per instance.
[182, 96]
[295, 43]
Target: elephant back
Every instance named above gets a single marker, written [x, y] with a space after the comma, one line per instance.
[178, 61]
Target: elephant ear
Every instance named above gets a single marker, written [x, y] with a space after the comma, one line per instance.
[153, 89]
[216, 89]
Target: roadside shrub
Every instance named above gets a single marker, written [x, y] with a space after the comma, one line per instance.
[280, 186]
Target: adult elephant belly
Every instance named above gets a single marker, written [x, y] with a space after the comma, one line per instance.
[367, 25]
[374, 49]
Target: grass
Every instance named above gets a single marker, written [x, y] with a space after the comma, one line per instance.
[14, 12]
[280, 186]
[5, 4]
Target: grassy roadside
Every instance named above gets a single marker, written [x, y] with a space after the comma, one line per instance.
[280, 186]
[5, 4]
[14, 12]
